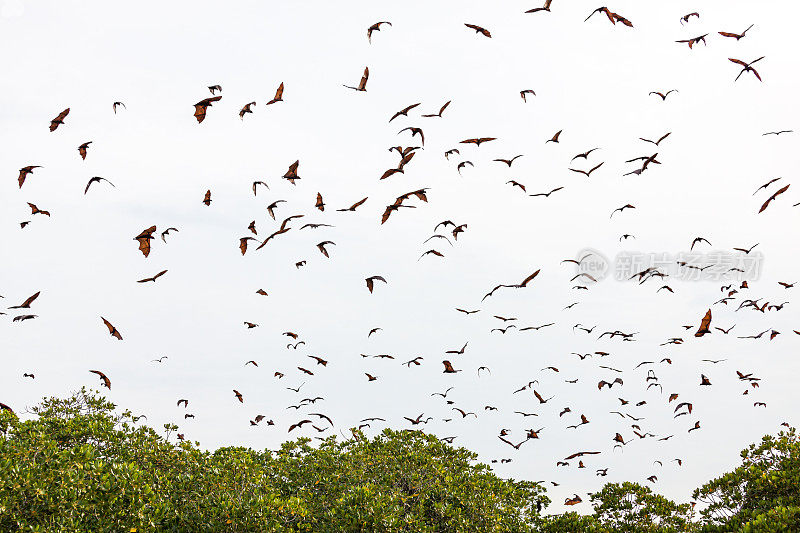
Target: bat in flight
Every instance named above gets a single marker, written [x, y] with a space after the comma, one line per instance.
[448, 368]
[547, 194]
[655, 142]
[36, 211]
[771, 198]
[478, 29]
[621, 209]
[111, 329]
[376, 27]
[144, 239]
[705, 324]
[103, 377]
[415, 131]
[508, 161]
[153, 278]
[203, 105]
[355, 205]
[23, 173]
[736, 36]
[747, 67]
[371, 281]
[166, 232]
[82, 149]
[546, 7]
[441, 110]
[291, 174]
[362, 85]
[278, 95]
[321, 247]
[27, 303]
[96, 179]
[246, 109]
[554, 138]
[694, 40]
[59, 120]
[478, 141]
[612, 17]
[404, 111]
[588, 173]
[663, 95]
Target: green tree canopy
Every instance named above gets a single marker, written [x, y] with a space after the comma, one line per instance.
[81, 466]
[763, 494]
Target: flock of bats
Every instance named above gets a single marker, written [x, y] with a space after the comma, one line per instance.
[734, 295]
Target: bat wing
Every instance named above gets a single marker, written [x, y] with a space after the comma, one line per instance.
[704, 325]
[362, 85]
[529, 278]
[111, 329]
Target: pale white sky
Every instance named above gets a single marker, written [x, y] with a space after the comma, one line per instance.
[591, 80]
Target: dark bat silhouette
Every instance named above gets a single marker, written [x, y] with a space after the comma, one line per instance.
[554, 138]
[96, 179]
[355, 205]
[153, 279]
[59, 120]
[736, 36]
[439, 114]
[478, 29]
[243, 111]
[202, 106]
[166, 232]
[144, 239]
[371, 281]
[404, 111]
[771, 198]
[111, 329]
[291, 174]
[663, 95]
[23, 173]
[82, 149]
[546, 7]
[747, 67]
[375, 27]
[362, 85]
[27, 303]
[694, 40]
[103, 377]
[478, 141]
[278, 95]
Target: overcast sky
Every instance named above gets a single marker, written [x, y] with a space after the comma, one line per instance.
[591, 80]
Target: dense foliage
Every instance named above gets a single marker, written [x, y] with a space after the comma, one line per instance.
[763, 494]
[79, 465]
